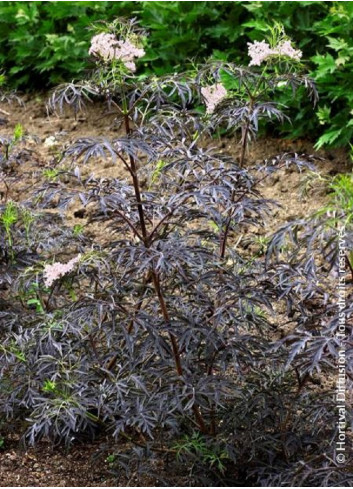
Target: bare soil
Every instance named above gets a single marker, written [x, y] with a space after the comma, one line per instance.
[47, 466]
[80, 466]
[284, 187]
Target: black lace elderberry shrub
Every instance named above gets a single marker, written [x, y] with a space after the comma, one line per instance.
[313, 259]
[167, 332]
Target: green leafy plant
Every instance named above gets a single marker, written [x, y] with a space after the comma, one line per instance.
[334, 75]
[13, 214]
[47, 42]
[196, 446]
[49, 386]
[110, 458]
[8, 218]
[12, 144]
[339, 210]
[18, 133]
[340, 204]
[342, 195]
[33, 298]
[51, 174]
[78, 229]
[27, 219]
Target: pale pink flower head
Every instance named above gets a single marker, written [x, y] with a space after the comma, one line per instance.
[285, 48]
[104, 46]
[107, 47]
[127, 51]
[213, 95]
[57, 270]
[261, 51]
[130, 65]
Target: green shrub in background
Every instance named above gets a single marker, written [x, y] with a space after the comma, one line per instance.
[45, 43]
[42, 43]
[333, 73]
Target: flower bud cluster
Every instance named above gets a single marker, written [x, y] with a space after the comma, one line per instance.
[213, 95]
[107, 47]
[261, 51]
[58, 270]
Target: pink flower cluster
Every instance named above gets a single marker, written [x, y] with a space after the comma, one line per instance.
[260, 51]
[57, 270]
[128, 52]
[107, 47]
[213, 95]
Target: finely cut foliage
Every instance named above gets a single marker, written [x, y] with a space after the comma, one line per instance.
[170, 334]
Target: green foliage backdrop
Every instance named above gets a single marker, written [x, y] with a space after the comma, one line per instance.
[44, 43]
